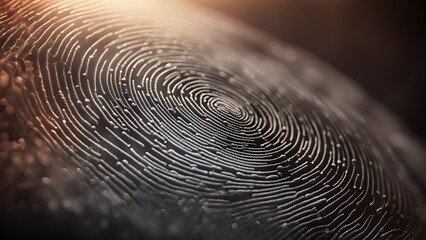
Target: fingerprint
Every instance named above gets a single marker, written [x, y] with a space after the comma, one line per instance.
[194, 126]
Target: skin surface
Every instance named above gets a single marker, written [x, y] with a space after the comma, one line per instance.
[126, 119]
[378, 44]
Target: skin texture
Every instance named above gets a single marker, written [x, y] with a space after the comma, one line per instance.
[378, 44]
[147, 120]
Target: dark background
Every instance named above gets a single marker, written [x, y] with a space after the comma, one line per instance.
[378, 43]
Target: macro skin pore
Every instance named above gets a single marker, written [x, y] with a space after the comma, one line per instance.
[160, 120]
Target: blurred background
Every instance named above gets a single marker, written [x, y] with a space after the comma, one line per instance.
[380, 44]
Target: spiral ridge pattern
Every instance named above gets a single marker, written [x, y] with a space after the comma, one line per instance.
[249, 135]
